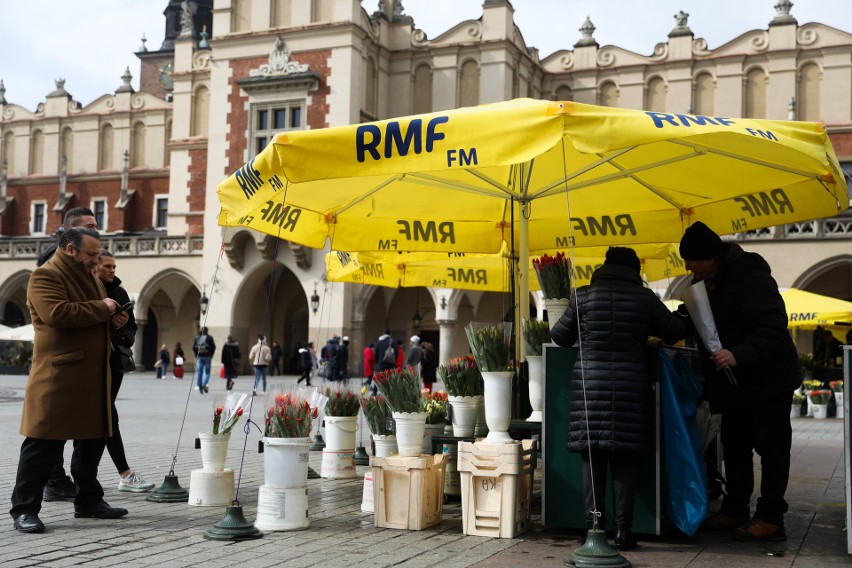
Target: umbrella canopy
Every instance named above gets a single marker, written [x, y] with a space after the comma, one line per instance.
[22, 333]
[577, 175]
[484, 272]
[806, 310]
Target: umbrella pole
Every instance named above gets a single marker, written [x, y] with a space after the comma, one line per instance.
[523, 277]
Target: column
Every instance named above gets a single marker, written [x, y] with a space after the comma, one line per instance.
[445, 334]
[137, 344]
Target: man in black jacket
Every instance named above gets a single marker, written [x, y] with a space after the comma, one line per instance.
[612, 404]
[755, 400]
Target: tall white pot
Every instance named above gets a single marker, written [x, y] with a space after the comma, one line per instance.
[535, 366]
[285, 462]
[498, 405]
[465, 411]
[409, 432]
[555, 308]
[214, 450]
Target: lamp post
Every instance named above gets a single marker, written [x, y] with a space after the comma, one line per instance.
[315, 299]
[203, 303]
[416, 319]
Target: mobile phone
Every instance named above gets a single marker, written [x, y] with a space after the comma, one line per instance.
[124, 308]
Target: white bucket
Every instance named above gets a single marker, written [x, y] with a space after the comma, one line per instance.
[820, 411]
[536, 375]
[385, 445]
[838, 400]
[465, 413]
[409, 432]
[340, 433]
[211, 488]
[498, 405]
[282, 509]
[285, 462]
[429, 431]
[337, 464]
[367, 503]
[214, 450]
[555, 308]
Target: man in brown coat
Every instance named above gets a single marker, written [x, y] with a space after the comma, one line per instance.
[67, 394]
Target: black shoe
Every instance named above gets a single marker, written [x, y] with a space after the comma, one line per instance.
[62, 489]
[624, 539]
[206, 389]
[29, 523]
[100, 511]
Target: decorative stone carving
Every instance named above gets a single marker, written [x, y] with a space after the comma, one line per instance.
[126, 78]
[783, 16]
[681, 27]
[418, 38]
[301, 254]
[760, 42]
[566, 61]
[605, 57]
[807, 36]
[201, 60]
[279, 63]
[187, 15]
[587, 31]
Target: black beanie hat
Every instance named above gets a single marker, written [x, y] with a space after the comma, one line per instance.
[699, 242]
[623, 256]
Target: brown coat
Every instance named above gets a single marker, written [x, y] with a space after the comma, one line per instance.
[67, 396]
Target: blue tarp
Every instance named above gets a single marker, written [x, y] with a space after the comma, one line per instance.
[686, 477]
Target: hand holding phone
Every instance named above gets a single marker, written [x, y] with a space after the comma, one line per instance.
[126, 307]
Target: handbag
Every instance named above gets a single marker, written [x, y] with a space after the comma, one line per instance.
[178, 361]
[121, 360]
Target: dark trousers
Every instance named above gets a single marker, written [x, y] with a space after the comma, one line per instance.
[115, 445]
[36, 461]
[623, 470]
[764, 428]
[275, 367]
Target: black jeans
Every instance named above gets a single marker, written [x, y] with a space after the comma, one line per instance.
[115, 445]
[624, 482]
[35, 463]
[765, 429]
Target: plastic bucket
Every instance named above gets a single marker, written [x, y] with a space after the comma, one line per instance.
[285, 462]
[282, 509]
[214, 450]
[465, 414]
[340, 432]
[337, 464]
[409, 432]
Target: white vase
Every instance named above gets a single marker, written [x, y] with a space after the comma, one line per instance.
[340, 433]
[820, 411]
[214, 450]
[409, 432]
[385, 445]
[535, 368]
[285, 462]
[481, 429]
[838, 400]
[429, 431]
[498, 405]
[555, 308]
[795, 410]
[465, 412]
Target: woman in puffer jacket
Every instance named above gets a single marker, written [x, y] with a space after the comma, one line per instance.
[612, 318]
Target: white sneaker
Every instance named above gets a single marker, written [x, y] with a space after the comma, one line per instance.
[135, 483]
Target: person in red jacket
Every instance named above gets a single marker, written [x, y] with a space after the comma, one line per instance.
[400, 355]
[369, 362]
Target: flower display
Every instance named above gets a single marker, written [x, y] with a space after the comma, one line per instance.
[811, 384]
[554, 275]
[289, 416]
[806, 362]
[461, 377]
[536, 333]
[341, 402]
[491, 344]
[378, 414]
[836, 386]
[227, 413]
[401, 389]
[798, 398]
[820, 396]
[434, 404]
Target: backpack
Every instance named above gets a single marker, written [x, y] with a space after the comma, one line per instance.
[201, 345]
[389, 358]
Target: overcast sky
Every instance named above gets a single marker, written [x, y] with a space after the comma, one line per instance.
[89, 43]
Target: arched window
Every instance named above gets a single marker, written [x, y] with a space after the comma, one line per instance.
[67, 148]
[9, 153]
[422, 90]
[241, 15]
[137, 146]
[808, 97]
[564, 93]
[37, 153]
[755, 94]
[655, 95]
[469, 84]
[608, 94]
[200, 112]
[705, 95]
[105, 149]
[369, 89]
[281, 13]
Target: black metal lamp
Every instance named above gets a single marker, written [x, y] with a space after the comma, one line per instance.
[416, 319]
[315, 301]
[203, 303]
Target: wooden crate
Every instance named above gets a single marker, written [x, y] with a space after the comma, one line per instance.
[496, 484]
[408, 493]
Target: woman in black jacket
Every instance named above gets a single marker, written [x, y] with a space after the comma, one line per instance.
[612, 403]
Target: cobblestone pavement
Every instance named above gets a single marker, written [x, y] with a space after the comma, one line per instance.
[161, 534]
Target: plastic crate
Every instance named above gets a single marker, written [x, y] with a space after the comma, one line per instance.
[496, 484]
[408, 493]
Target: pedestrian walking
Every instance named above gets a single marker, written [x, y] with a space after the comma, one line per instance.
[204, 347]
[231, 359]
[163, 361]
[260, 356]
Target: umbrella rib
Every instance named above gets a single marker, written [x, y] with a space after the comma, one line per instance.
[361, 198]
[706, 149]
[547, 190]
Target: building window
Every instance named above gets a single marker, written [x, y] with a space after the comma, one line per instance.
[37, 218]
[161, 212]
[271, 119]
[99, 208]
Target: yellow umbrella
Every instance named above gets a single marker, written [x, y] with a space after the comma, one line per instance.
[806, 310]
[484, 272]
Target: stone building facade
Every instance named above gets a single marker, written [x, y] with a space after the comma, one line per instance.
[231, 73]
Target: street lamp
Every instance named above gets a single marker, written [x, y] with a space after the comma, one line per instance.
[203, 302]
[416, 319]
[315, 300]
